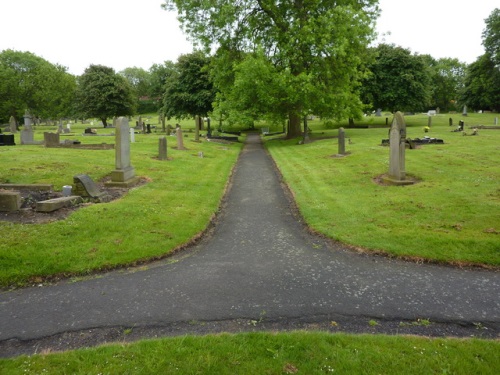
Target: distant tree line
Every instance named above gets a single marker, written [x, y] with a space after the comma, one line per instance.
[264, 67]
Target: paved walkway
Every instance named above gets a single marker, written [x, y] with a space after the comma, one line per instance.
[258, 261]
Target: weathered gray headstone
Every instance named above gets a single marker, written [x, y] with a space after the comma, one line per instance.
[60, 127]
[197, 128]
[51, 139]
[341, 141]
[464, 111]
[379, 112]
[27, 134]
[397, 141]
[132, 135]
[429, 121]
[180, 141]
[496, 121]
[124, 173]
[85, 187]
[162, 148]
[13, 125]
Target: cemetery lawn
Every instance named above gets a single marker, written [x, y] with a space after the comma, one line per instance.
[152, 220]
[271, 353]
[451, 215]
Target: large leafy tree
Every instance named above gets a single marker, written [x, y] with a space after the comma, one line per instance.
[30, 82]
[139, 79]
[482, 85]
[102, 93]
[399, 80]
[317, 47]
[447, 80]
[189, 91]
[491, 36]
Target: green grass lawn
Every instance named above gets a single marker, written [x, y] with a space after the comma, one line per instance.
[176, 204]
[269, 353]
[451, 215]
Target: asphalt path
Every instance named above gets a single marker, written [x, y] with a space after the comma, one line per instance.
[258, 262]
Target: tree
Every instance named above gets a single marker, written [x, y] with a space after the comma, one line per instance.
[189, 92]
[30, 82]
[316, 46]
[491, 36]
[399, 81]
[447, 80]
[139, 79]
[102, 93]
[482, 85]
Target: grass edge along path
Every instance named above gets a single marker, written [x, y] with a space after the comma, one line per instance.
[451, 216]
[149, 222]
[272, 353]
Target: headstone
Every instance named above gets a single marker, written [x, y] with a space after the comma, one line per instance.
[162, 148]
[496, 121]
[148, 127]
[429, 121]
[27, 134]
[7, 140]
[180, 141]
[114, 122]
[341, 141]
[85, 187]
[197, 128]
[450, 121]
[169, 129]
[10, 201]
[13, 125]
[438, 110]
[379, 112]
[464, 111]
[124, 173]
[397, 144]
[51, 139]
[60, 127]
[132, 135]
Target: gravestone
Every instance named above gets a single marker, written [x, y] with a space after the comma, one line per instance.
[132, 135]
[495, 122]
[10, 201]
[13, 125]
[379, 112]
[397, 146]
[197, 127]
[51, 139]
[429, 121]
[450, 121]
[341, 141]
[27, 134]
[162, 148]
[7, 140]
[464, 111]
[180, 141]
[148, 127]
[124, 173]
[85, 187]
[60, 127]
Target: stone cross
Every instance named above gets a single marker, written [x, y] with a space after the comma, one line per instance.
[162, 148]
[124, 173]
[13, 125]
[180, 140]
[341, 141]
[397, 138]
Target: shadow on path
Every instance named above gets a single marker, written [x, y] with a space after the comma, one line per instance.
[259, 270]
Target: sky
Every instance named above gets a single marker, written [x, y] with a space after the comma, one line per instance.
[139, 33]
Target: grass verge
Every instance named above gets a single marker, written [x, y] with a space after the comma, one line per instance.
[452, 215]
[150, 221]
[266, 353]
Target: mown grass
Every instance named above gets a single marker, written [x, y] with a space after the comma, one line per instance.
[266, 353]
[150, 221]
[451, 215]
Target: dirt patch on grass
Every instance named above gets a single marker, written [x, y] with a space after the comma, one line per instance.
[28, 215]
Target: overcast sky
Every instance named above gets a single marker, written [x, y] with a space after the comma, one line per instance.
[127, 33]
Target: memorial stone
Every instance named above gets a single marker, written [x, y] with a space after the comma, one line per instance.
[13, 125]
[162, 146]
[341, 141]
[397, 146]
[180, 141]
[124, 173]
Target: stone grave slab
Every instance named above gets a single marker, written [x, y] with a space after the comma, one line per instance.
[10, 201]
[51, 205]
[85, 187]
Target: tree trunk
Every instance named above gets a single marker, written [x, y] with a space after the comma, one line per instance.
[103, 119]
[294, 130]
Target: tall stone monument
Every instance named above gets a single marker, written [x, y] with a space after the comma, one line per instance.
[341, 141]
[124, 173]
[180, 140]
[27, 134]
[397, 146]
[13, 125]
[162, 148]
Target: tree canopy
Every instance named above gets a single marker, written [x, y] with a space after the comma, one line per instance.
[102, 93]
[189, 91]
[317, 47]
[491, 36]
[31, 82]
[399, 81]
